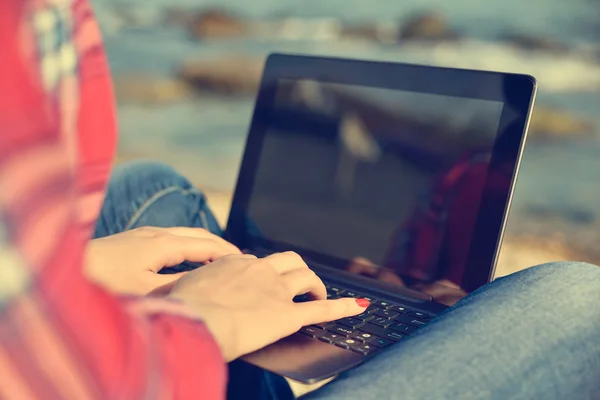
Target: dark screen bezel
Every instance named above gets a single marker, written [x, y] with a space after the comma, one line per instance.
[517, 89]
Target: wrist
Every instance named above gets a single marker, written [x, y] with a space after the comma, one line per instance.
[218, 322]
[90, 260]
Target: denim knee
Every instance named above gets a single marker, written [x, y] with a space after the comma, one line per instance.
[571, 288]
[147, 193]
[141, 173]
[562, 272]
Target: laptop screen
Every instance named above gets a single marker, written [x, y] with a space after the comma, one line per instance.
[389, 180]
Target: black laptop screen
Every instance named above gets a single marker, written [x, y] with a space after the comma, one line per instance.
[378, 177]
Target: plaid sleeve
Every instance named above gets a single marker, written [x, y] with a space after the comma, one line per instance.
[62, 337]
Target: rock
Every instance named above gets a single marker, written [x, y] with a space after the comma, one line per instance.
[370, 32]
[150, 90]
[216, 24]
[536, 43]
[571, 215]
[427, 26]
[550, 122]
[238, 75]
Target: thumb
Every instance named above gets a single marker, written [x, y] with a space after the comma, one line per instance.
[161, 285]
[315, 312]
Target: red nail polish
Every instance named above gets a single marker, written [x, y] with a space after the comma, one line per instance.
[364, 303]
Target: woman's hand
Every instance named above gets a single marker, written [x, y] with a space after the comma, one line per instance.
[128, 263]
[247, 303]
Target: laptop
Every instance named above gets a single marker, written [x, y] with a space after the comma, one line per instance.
[392, 181]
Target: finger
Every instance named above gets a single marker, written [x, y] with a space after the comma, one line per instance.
[173, 250]
[303, 281]
[286, 262]
[201, 234]
[161, 285]
[244, 256]
[315, 312]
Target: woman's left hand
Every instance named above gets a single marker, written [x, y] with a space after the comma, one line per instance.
[128, 262]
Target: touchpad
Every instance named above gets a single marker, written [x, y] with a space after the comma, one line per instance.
[304, 359]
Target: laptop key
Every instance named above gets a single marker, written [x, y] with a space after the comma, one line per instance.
[386, 314]
[324, 325]
[373, 329]
[330, 337]
[364, 349]
[399, 309]
[383, 304]
[418, 315]
[346, 343]
[403, 328]
[349, 293]
[341, 330]
[364, 337]
[312, 331]
[395, 336]
[364, 316]
[382, 321]
[335, 289]
[371, 309]
[407, 319]
[333, 296]
[351, 322]
[381, 343]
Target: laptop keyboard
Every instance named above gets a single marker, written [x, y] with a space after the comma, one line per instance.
[380, 326]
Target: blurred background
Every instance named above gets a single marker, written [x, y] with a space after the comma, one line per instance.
[186, 72]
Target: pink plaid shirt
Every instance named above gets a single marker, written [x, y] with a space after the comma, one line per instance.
[62, 337]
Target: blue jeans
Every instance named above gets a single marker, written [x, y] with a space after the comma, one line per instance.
[532, 335]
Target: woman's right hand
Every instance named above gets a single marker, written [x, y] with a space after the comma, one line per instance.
[247, 302]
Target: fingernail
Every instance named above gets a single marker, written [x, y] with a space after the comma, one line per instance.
[364, 303]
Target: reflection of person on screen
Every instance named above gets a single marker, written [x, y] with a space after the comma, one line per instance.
[429, 251]
[434, 244]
